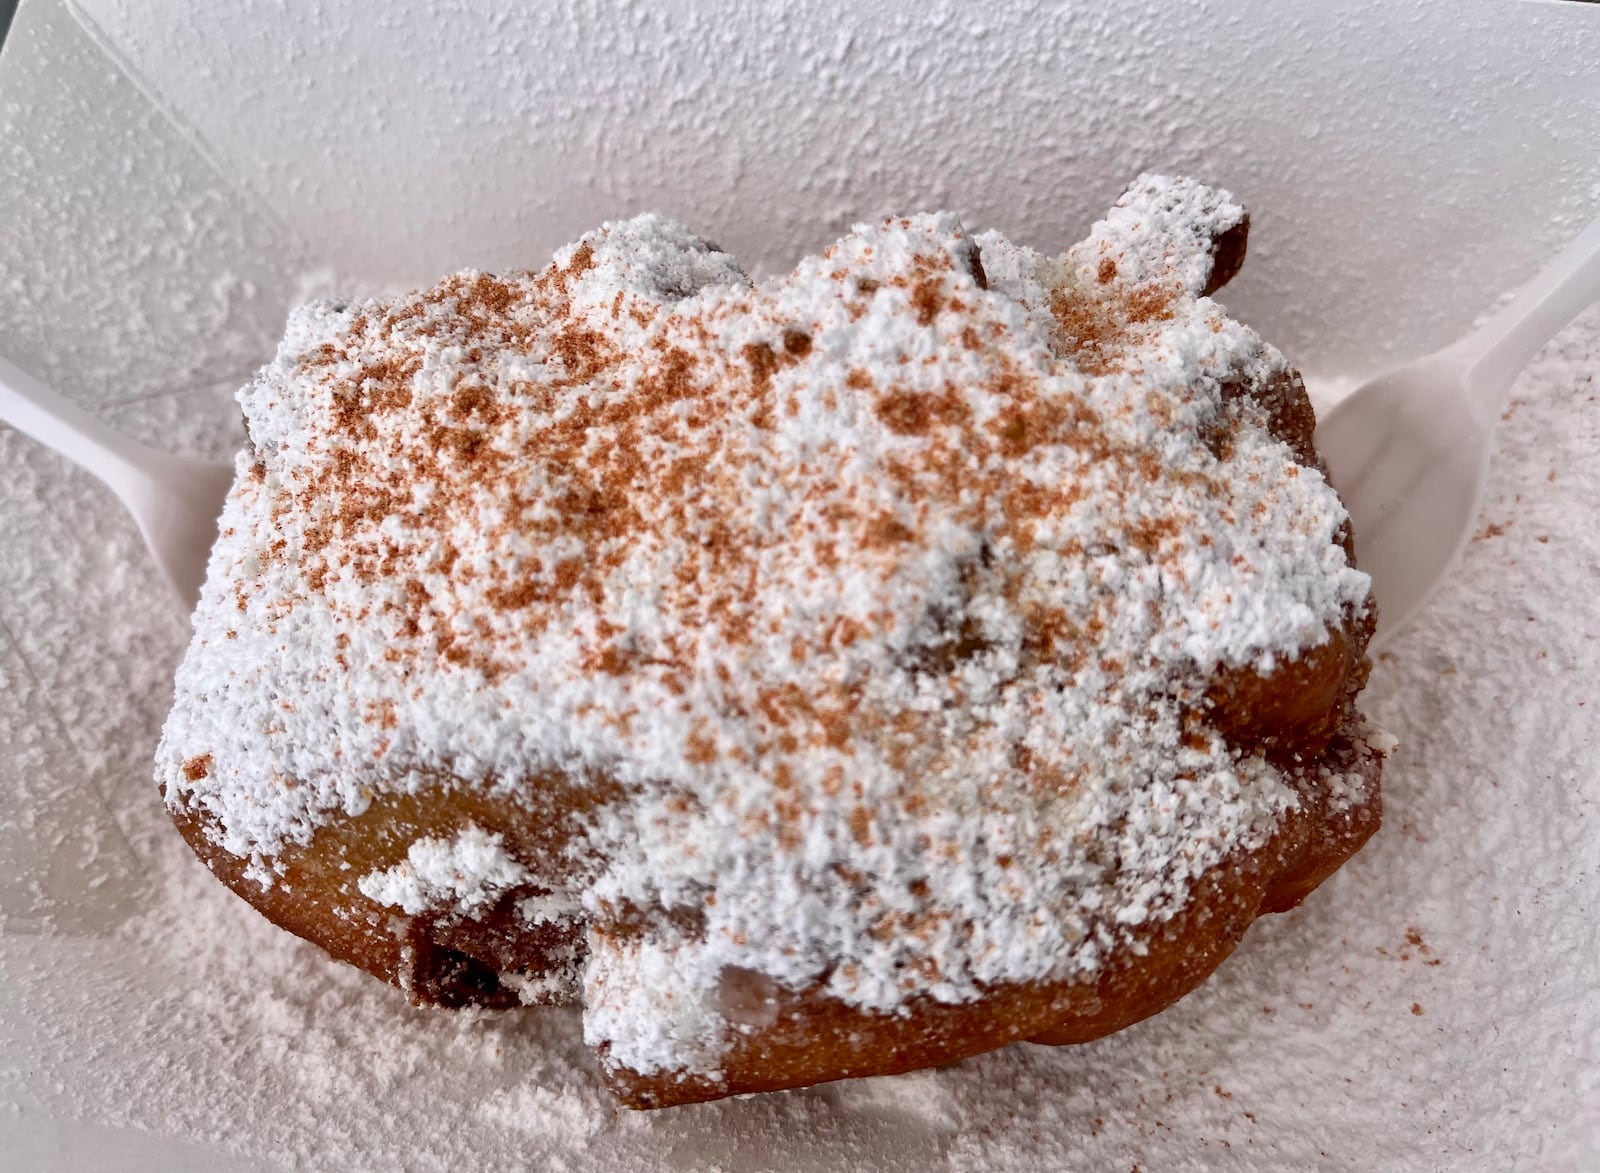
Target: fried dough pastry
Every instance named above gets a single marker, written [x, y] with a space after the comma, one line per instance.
[938, 647]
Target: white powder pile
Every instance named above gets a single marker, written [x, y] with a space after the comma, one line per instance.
[468, 871]
[1434, 1007]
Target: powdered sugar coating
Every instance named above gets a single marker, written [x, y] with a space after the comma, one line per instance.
[467, 874]
[885, 595]
[1159, 230]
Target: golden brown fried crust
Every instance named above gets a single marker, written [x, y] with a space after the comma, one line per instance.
[1301, 714]
[1296, 708]
[796, 1038]
[1227, 256]
[438, 960]
[1292, 711]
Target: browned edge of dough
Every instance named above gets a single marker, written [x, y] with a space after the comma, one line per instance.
[805, 1037]
[1301, 715]
[437, 960]
[814, 1038]
[1227, 255]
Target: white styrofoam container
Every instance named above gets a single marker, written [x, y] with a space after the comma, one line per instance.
[172, 178]
[1405, 163]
